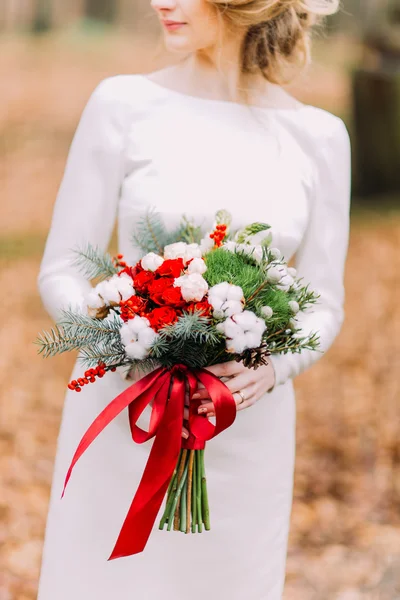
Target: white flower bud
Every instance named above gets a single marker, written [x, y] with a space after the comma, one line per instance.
[275, 253]
[274, 275]
[267, 312]
[294, 306]
[151, 261]
[292, 271]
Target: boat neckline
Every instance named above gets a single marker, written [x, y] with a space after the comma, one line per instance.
[223, 102]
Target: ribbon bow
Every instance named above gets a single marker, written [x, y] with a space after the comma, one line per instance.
[167, 389]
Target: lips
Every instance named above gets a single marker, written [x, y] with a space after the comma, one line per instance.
[171, 25]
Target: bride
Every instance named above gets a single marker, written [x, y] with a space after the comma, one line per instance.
[216, 130]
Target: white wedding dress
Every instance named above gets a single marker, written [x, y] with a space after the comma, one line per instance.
[138, 145]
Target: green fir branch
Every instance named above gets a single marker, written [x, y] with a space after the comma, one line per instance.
[151, 235]
[94, 263]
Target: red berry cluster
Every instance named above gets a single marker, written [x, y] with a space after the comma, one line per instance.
[90, 377]
[118, 262]
[218, 235]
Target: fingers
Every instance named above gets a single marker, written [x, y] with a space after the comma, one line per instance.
[185, 433]
[227, 369]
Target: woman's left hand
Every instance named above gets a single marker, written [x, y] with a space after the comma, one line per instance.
[247, 385]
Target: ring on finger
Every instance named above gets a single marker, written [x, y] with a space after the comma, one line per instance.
[243, 397]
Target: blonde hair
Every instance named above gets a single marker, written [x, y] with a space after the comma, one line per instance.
[277, 33]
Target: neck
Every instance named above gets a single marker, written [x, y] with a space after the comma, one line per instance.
[217, 69]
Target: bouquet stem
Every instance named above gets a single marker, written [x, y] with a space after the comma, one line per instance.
[187, 508]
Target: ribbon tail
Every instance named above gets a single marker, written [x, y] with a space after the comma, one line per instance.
[153, 486]
[144, 389]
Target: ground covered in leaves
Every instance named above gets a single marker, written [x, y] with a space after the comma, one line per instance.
[345, 533]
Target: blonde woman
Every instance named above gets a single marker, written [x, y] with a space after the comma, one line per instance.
[216, 130]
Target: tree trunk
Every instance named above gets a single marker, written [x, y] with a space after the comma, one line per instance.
[377, 128]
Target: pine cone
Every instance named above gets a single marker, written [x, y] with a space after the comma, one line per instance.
[255, 357]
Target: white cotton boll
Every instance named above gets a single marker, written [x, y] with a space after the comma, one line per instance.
[176, 250]
[292, 271]
[274, 275]
[235, 292]
[294, 306]
[147, 337]
[127, 335]
[125, 288]
[192, 251]
[247, 320]
[137, 337]
[231, 307]
[232, 329]
[197, 265]
[93, 299]
[267, 312]
[138, 323]
[217, 306]
[151, 261]
[253, 339]
[109, 291]
[275, 253]
[237, 344]
[193, 287]
[220, 290]
[136, 351]
[206, 244]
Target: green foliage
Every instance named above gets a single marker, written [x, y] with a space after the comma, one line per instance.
[191, 341]
[188, 232]
[94, 263]
[244, 234]
[151, 235]
[75, 331]
[238, 269]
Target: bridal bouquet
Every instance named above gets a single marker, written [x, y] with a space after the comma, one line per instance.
[189, 303]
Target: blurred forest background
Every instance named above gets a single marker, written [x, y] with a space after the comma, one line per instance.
[345, 534]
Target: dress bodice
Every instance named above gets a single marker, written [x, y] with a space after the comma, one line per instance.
[140, 145]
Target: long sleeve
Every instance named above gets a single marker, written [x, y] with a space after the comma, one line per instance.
[321, 257]
[86, 204]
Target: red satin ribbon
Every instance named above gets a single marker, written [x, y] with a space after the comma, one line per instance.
[167, 389]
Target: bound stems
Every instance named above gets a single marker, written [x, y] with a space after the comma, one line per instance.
[187, 507]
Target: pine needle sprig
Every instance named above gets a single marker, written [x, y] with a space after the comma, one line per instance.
[93, 330]
[55, 342]
[94, 263]
[151, 235]
[91, 355]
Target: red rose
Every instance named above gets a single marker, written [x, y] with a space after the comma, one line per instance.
[173, 297]
[161, 317]
[142, 281]
[203, 307]
[171, 268]
[135, 305]
[132, 271]
[158, 287]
